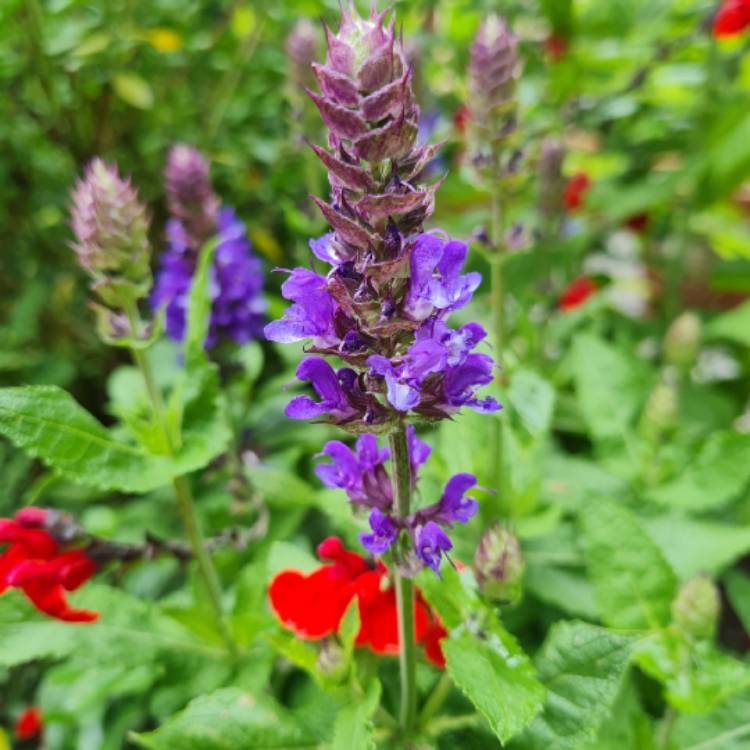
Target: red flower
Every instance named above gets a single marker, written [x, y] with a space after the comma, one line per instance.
[461, 118]
[312, 605]
[576, 293]
[34, 563]
[574, 193]
[732, 18]
[556, 46]
[29, 724]
[638, 222]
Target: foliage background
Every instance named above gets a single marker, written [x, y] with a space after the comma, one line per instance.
[649, 105]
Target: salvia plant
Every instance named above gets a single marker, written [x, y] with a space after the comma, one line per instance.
[352, 481]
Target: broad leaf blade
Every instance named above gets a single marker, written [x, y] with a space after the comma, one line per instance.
[634, 585]
[353, 729]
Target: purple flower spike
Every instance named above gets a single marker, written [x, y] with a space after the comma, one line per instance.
[384, 533]
[431, 544]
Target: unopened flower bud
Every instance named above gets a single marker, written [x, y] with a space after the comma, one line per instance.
[682, 341]
[301, 49]
[499, 565]
[111, 234]
[697, 607]
[190, 196]
[330, 657]
[492, 80]
[551, 180]
[660, 413]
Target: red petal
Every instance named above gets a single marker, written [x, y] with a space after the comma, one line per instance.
[29, 724]
[333, 550]
[38, 543]
[575, 191]
[9, 561]
[31, 517]
[51, 601]
[576, 293]
[311, 605]
[431, 644]
[733, 18]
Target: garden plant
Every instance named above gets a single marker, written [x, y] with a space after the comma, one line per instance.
[375, 376]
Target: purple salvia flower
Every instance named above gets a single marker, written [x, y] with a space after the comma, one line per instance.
[334, 389]
[431, 543]
[237, 304]
[384, 533]
[454, 506]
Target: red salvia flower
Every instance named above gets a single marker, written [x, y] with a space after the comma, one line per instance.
[574, 193]
[34, 563]
[461, 119]
[312, 605]
[638, 222]
[556, 46]
[576, 293]
[29, 724]
[732, 18]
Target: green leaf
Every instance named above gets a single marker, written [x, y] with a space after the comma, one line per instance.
[134, 90]
[733, 325]
[610, 386]
[582, 667]
[738, 591]
[697, 676]
[712, 479]
[353, 729]
[533, 399]
[349, 626]
[725, 728]
[484, 660]
[229, 719]
[693, 546]
[199, 306]
[48, 424]
[634, 585]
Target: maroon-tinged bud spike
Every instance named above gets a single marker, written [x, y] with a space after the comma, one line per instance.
[190, 195]
[336, 85]
[349, 230]
[344, 122]
[382, 206]
[301, 48]
[352, 177]
[391, 141]
[111, 232]
[389, 100]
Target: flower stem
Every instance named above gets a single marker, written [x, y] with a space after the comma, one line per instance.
[497, 299]
[183, 495]
[436, 699]
[404, 590]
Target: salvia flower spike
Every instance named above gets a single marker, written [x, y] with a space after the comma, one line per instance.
[381, 304]
[237, 307]
[493, 70]
[110, 226]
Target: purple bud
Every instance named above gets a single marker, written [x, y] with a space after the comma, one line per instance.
[190, 196]
[111, 233]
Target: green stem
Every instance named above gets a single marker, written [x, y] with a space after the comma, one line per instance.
[183, 495]
[404, 590]
[497, 299]
[437, 697]
[665, 731]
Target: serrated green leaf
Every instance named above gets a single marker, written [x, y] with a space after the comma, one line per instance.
[533, 399]
[353, 729]
[486, 663]
[582, 667]
[634, 585]
[198, 316]
[229, 719]
[716, 476]
[609, 403]
[697, 676]
[725, 728]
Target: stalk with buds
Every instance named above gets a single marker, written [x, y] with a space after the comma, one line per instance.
[381, 307]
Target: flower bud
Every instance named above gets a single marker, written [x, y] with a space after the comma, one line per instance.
[660, 413]
[492, 80]
[190, 196]
[111, 234]
[551, 180]
[499, 566]
[330, 659]
[682, 341]
[697, 607]
[301, 49]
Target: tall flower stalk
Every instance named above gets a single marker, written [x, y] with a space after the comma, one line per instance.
[111, 243]
[492, 82]
[380, 308]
